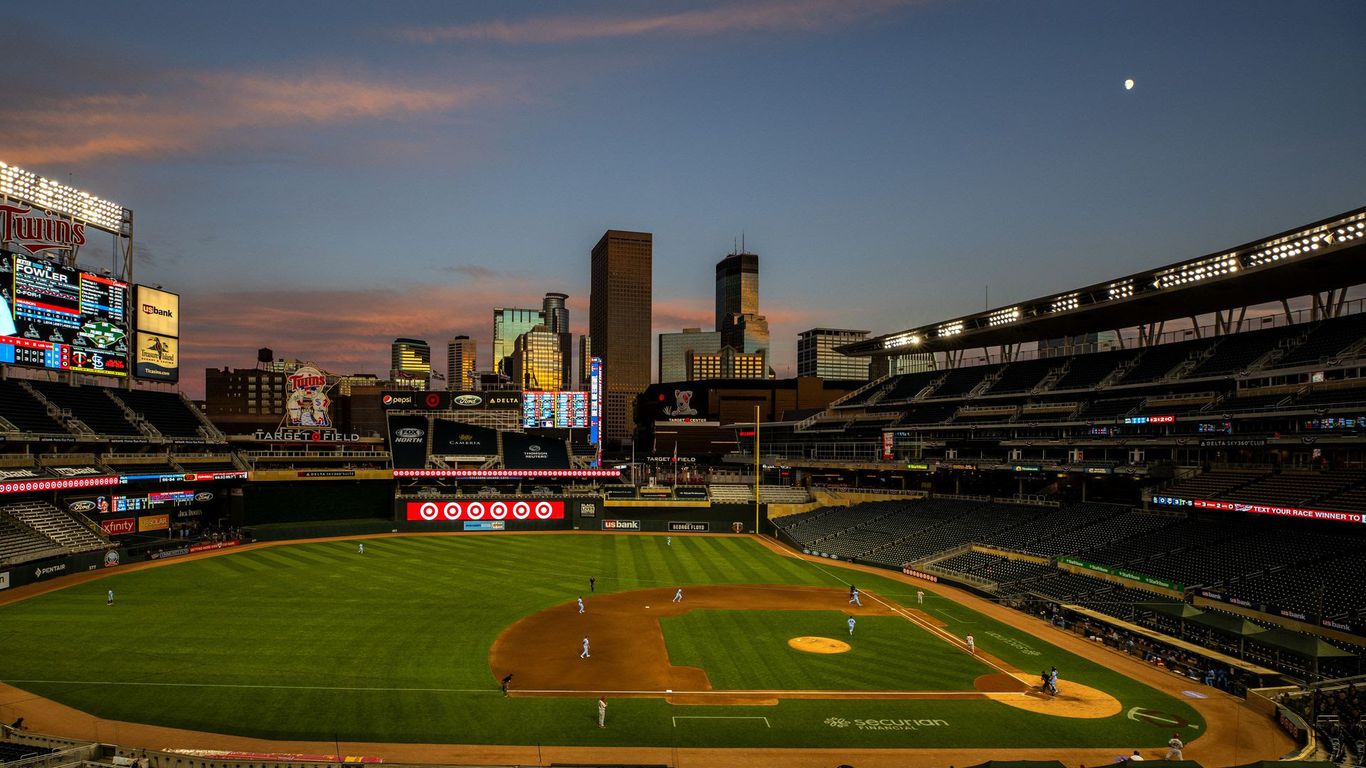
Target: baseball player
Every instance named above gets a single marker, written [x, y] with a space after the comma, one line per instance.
[668, 541]
[360, 548]
[972, 647]
[110, 599]
[592, 582]
[506, 681]
[584, 655]
[851, 626]
[1174, 747]
[920, 597]
[854, 598]
[602, 711]
[1053, 681]
[678, 596]
[580, 605]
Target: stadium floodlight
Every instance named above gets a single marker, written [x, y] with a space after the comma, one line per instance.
[1065, 303]
[1003, 316]
[950, 329]
[1197, 271]
[1121, 289]
[55, 197]
[902, 340]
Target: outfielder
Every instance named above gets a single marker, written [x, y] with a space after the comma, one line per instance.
[678, 596]
[920, 597]
[110, 599]
[360, 548]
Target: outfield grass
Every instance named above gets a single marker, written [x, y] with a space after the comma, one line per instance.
[314, 641]
[887, 653]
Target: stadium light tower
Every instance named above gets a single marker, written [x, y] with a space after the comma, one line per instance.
[30, 202]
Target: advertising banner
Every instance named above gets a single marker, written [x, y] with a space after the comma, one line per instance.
[621, 525]
[207, 546]
[430, 511]
[1261, 509]
[691, 492]
[154, 523]
[4, 579]
[1123, 573]
[119, 526]
[452, 438]
[439, 400]
[888, 441]
[909, 571]
[485, 525]
[408, 441]
[157, 357]
[595, 402]
[158, 311]
[528, 452]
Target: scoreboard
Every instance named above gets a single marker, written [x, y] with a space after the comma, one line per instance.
[54, 316]
[557, 410]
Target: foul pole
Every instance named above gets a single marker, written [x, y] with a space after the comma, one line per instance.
[756, 470]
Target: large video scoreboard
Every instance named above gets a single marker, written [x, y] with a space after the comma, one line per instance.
[557, 410]
[54, 316]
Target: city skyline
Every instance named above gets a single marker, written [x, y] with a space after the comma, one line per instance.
[892, 161]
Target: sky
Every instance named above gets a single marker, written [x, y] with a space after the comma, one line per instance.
[321, 177]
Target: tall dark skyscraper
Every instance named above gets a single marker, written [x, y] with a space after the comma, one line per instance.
[619, 323]
[556, 313]
[738, 320]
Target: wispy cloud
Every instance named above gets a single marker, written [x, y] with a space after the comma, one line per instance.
[471, 271]
[771, 16]
[183, 113]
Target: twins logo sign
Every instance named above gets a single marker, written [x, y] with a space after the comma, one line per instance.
[453, 511]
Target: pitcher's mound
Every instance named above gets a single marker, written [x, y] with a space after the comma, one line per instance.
[818, 645]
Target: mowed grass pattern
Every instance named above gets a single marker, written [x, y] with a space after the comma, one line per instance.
[315, 641]
[748, 650]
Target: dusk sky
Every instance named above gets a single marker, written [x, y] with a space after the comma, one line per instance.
[322, 177]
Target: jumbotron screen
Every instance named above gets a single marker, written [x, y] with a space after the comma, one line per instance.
[555, 410]
[53, 316]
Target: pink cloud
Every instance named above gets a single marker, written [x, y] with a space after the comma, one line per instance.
[772, 16]
[180, 113]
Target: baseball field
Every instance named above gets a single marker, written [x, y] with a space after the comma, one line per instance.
[315, 642]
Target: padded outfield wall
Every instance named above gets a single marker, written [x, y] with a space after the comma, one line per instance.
[591, 513]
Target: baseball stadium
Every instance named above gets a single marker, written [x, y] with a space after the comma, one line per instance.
[1119, 522]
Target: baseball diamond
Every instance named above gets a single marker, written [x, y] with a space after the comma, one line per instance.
[307, 642]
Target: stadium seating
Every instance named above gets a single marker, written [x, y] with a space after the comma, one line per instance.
[1088, 371]
[167, 412]
[1156, 363]
[55, 525]
[23, 410]
[1326, 340]
[18, 543]
[91, 405]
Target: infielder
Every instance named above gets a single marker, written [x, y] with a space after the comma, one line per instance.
[854, 598]
[1174, 747]
[584, 655]
[972, 647]
[678, 596]
[851, 626]
[580, 605]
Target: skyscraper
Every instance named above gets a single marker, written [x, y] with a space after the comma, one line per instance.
[508, 324]
[585, 360]
[738, 320]
[536, 360]
[674, 349]
[411, 361]
[816, 355]
[461, 360]
[619, 322]
[556, 313]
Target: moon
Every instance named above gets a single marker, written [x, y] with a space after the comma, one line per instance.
[1129, 84]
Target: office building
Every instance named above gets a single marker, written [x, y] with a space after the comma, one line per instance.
[726, 364]
[674, 349]
[244, 392]
[619, 322]
[411, 360]
[508, 324]
[461, 360]
[816, 355]
[554, 308]
[585, 361]
[738, 320]
[536, 360]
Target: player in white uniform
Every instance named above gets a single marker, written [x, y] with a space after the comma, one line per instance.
[580, 605]
[920, 596]
[669, 541]
[1174, 747]
[584, 655]
[851, 626]
[360, 548]
[972, 647]
[854, 597]
[678, 596]
[110, 599]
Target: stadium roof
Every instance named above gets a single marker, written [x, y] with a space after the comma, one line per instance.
[1310, 259]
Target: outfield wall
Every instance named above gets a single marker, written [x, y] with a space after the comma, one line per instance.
[589, 513]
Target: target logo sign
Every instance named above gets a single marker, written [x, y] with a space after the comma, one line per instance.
[455, 511]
